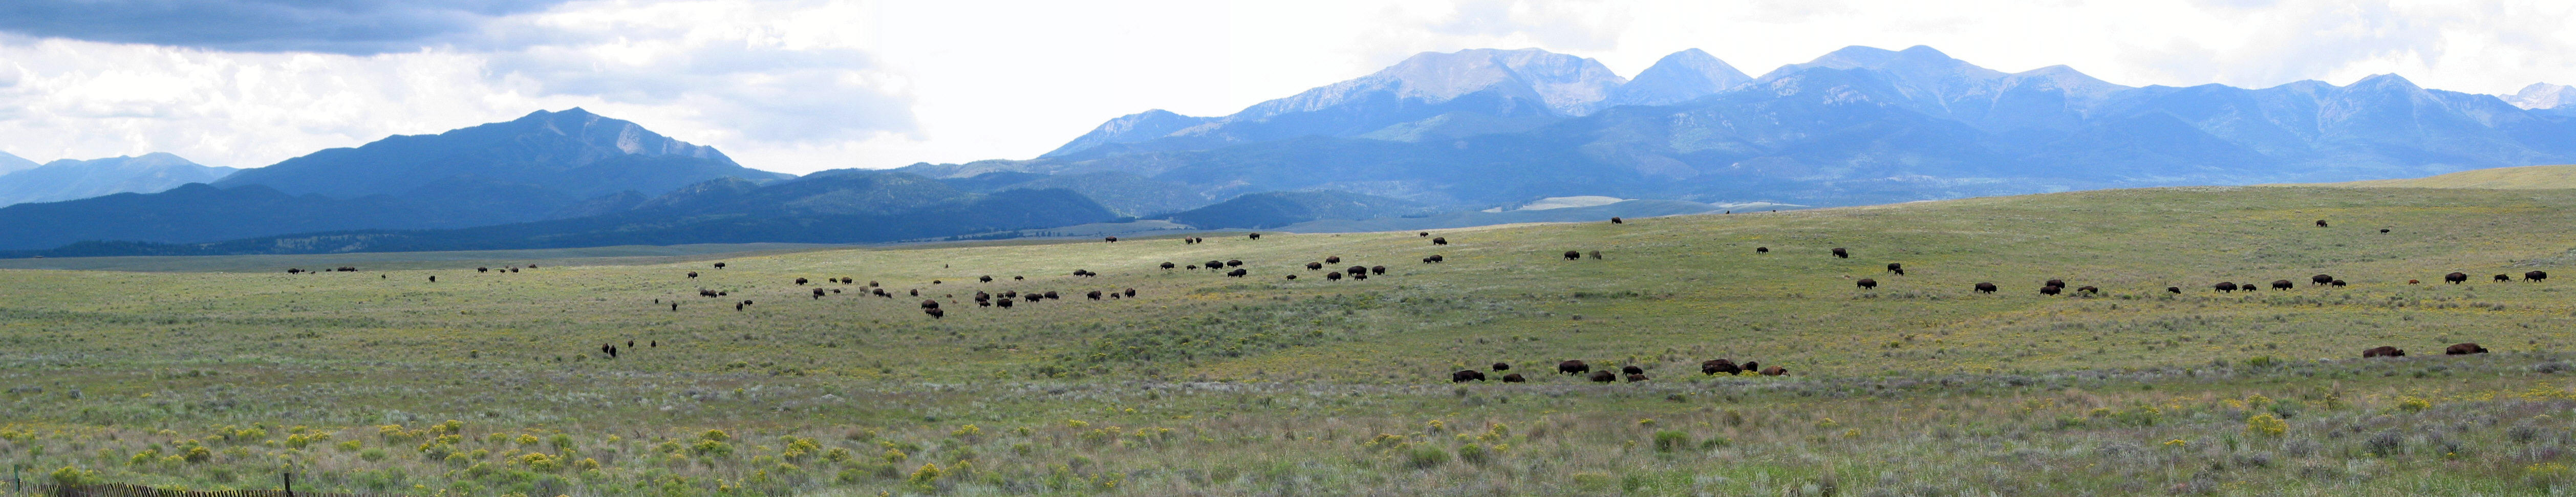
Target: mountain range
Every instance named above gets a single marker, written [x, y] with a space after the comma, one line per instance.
[1438, 139]
[76, 179]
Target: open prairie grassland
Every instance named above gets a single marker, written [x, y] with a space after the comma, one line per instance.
[484, 383]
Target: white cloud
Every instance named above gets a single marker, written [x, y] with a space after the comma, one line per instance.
[802, 85]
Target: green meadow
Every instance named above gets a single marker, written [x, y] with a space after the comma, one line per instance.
[220, 373]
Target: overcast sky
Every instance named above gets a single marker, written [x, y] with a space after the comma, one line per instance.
[806, 85]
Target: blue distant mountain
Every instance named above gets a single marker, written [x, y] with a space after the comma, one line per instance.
[12, 163]
[76, 179]
[1859, 125]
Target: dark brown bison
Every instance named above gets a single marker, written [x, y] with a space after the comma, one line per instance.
[2336, 283]
[1356, 270]
[985, 278]
[2321, 279]
[1602, 377]
[1332, 259]
[1431, 259]
[720, 265]
[1637, 377]
[1440, 241]
[930, 303]
[433, 278]
[2383, 230]
[1775, 371]
[802, 281]
[1255, 236]
[1572, 367]
[1359, 276]
[1111, 239]
[1616, 220]
[2224, 286]
[1752, 366]
[1985, 288]
[1213, 264]
[2456, 278]
[1237, 273]
[1003, 303]
[2503, 277]
[1466, 375]
[1292, 276]
[1572, 255]
[1377, 269]
[935, 313]
[2414, 282]
[1233, 263]
[1761, 250]
[1167, 266]
[1514, 378]
[818, 293]
[1131, 292]
[2283, 285]
[1631, 369]
[1314, 266]
[1502, 367]
[2088, 289]
[1426, 233]
[2173, 289]
[1596, 255]
[1866, 283]
[2321, 223]
[1333, 276]
[2383, 351]
[2535, 275]
[1898, 268]
[1840, 253]
[2058, 283]
[2051, 290]
[1719, 366]
[1094, 295]
[693, 274]
[2464, 349]
[482, 270]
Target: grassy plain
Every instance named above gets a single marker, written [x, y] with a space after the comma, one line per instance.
[1210, 385]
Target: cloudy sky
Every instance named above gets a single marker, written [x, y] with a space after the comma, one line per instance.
[806, 85]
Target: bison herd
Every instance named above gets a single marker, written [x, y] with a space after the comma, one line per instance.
[1632, 373]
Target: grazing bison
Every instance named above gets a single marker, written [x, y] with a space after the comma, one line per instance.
[935, 313]
[1255, 236]
[1631, 369]
[1131, 292]
[1359, 276]
[818, 294]
[1616, 220]
[1753, 366]
[2383, 230]
[1426, 233]
[2321, 223]
[1004, 303]
[1332, 259]
[693, 274]
[720, 265]
[1502, 367]
[1898, 268]
[1761, 250]
[2321, 279]
[1314, 266]
[1572, 255]
[1514, 378]
[1377, 270]
[1985, 288]
[1333, 276]
[2456, 277]
[2088, 289]
[2503, 277]
[1635, 377]
[1719, 366]
[1596, 255]
[2173, 289]
[1440, 241]
[984, 279]
[1238, 273]
[1356, 270]
[1233, 263]
[2057, 283]
[2282, 285]
[2414, 282]
[2224, 286]
[2383, 351]
[1602, 377]
[2051, 290]
[1111, 239]
[1572, 367]
[1465, 375]
[1094, 295]
[482, 270]
[2464, 349]
[1292, 276]
[1775, 371]
[1866, 283]
[2535, 275]
[1840, 253]
[1167, 266]
[802, 281]
[433, 278]
[1431, 259]
[930, 303]
[2336, 283]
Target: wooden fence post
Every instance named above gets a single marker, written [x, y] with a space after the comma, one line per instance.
[290, 482]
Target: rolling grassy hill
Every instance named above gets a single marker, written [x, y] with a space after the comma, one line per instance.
[2510, 178]
[1264, 385]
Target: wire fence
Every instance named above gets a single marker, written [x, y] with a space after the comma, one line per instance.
[41, 488]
